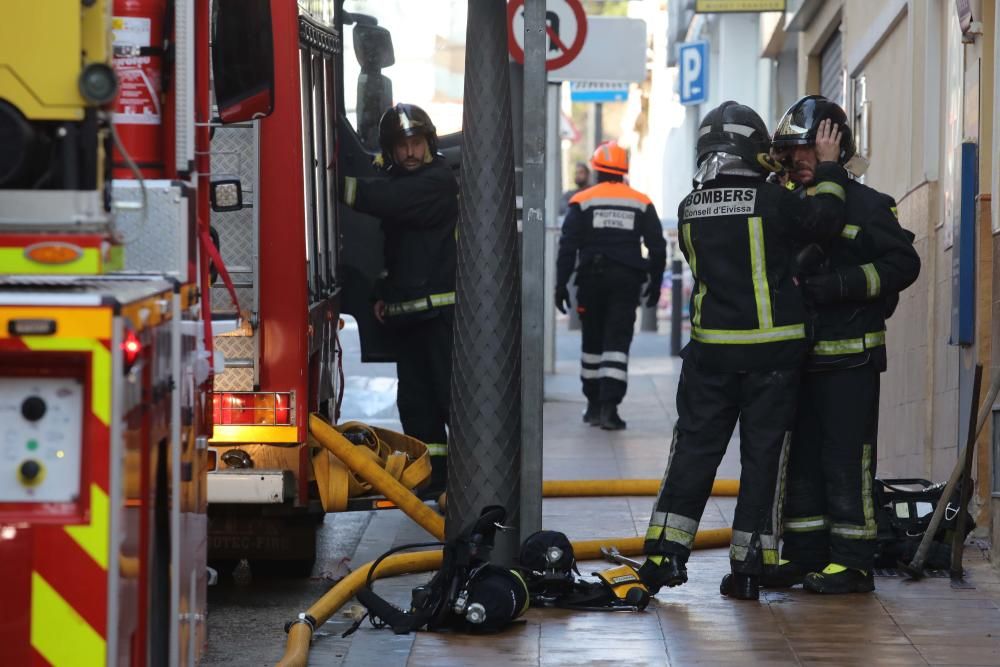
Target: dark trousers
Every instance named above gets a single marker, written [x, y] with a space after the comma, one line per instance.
[708, 406]
[423, 366]
[830, 509]
[608, 297]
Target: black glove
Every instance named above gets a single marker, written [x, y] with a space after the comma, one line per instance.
[652, 291]
[824, 288]
[562, 299]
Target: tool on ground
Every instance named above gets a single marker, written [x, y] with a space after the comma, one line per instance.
[965, 489]
[612, 555]
[915, 568]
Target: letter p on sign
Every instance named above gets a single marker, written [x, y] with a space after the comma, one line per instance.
[694, 72]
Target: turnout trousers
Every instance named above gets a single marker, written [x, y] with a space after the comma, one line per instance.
[830, 509]
[709, 404]
[423, 366]
[608, 296]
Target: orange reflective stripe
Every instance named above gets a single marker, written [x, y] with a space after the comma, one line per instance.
[610, 191]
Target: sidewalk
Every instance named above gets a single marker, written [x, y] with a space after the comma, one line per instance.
[903, 623]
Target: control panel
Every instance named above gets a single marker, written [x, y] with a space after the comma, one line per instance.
[41, 437]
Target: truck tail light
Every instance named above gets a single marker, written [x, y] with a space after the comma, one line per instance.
[252, 408]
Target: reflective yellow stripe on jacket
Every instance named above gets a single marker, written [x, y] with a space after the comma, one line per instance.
[831, 348]
[420, 305]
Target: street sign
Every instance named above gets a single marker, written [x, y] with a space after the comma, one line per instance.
[693, 61]
[598, 91]
[615, 50]
[565, 26]
[729, 6]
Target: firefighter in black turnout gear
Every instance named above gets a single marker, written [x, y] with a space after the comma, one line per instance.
[749, 336]
[606, 225]
[418, 205]
[829, 529]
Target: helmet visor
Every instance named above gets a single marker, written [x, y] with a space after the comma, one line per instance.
[798, 126]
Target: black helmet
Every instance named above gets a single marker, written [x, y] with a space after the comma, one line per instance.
[735, 129]
[404, 120]
[799, 125]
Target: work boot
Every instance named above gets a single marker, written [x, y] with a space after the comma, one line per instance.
[740, 586]
[837, 579]
[592, 415]
[660, 571]
[439, 479]
[610, 421]
[785, 575]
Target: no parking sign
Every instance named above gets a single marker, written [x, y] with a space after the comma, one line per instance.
[565, 27]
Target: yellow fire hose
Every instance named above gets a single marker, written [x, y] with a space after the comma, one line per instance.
[380, 480]
[623, 487]
[300, 633]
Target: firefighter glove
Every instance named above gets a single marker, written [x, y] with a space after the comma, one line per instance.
[652, 291]
[824, 288]
[562, 299]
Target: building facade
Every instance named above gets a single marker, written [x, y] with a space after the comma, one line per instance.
[917, 80]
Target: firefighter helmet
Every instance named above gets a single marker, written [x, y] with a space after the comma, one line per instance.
[800, 123]
[610, 158]
[734, 129]
[404, 120]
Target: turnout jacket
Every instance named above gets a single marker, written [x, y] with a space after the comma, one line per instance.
[419, 211]
[874, 260]
[740, 236]
[608, 220]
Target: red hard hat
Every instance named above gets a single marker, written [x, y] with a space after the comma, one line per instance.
[610, 158]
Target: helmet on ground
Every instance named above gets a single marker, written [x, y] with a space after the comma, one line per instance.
[610, 158]
[734, 129]
[404, 120]
[800, 123]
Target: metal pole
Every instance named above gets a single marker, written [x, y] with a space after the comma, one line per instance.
[553, 222]
[484, 456]
[676, 305]
[533, 268]
[598, 124]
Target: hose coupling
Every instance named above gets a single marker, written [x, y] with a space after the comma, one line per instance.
[302, 618]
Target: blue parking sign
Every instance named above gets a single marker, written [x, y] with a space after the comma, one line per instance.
[693, 62]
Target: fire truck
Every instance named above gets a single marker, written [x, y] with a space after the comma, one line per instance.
[174, 267]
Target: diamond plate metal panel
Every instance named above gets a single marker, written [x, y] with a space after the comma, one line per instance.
[485, 441]
[235, 379]
[156, 241]
[234, 155]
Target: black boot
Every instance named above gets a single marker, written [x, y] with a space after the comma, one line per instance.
[438, 481]
[740, 586]
[592, 415]
[667, 572]
[836, 579]
[786, 575]
[610, 421]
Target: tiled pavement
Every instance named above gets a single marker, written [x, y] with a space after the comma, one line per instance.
[903, 623]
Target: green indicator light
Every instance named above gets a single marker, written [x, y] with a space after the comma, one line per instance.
[32, 445]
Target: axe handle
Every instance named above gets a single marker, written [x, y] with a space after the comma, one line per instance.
[925, 542]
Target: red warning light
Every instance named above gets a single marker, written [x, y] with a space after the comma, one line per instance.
[131, 346]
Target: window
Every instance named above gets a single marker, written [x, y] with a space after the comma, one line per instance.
[831, 70]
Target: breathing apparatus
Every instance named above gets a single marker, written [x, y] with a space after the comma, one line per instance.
[468, 593]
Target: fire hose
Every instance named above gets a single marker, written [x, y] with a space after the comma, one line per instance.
[301, 630]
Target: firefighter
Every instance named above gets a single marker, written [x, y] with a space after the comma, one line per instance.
[740, 235]
[606, 225]
[417, 202]
[829, 524]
